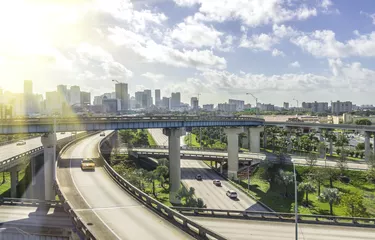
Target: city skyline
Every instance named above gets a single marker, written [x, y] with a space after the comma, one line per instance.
[209, 48]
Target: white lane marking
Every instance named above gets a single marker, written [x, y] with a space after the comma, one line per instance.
[75, 185]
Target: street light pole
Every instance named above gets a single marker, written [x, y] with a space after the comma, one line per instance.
[295, 199]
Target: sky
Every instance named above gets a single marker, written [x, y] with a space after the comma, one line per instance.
[278, 50]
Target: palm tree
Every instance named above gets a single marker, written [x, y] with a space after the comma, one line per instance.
[162, 174]
[285, 178]
[319, 177]
[307, 187]
[330, 195]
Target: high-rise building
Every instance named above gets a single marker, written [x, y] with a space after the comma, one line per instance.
[175, 100]
[157, 97]
[208, 107]
[286, 105]
[226, 107]
[240, 105]
[265, 107]
[165, 103]
[341, 107]
[63, 92]
[194, 103]
[28, 87]
[111, 105]
[138, 99]
[85, 98]
[148, 97]
[75, 95]
[122, 94]
[319, 107]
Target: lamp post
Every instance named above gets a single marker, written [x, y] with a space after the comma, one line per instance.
[295, 199]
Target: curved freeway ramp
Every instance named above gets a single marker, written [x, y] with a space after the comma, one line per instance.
[107, 209]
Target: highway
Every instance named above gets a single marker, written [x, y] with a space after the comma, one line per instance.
[97, 199]
[213, 196]
[271, 230]
[11, 150]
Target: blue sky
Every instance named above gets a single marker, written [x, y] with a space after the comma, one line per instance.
[310, 50]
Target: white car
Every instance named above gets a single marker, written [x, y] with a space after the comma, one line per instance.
[21, 142]
[102, 134]
[232, 194]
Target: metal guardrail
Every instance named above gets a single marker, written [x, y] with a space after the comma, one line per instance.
[172, 215]
[29, 202]
[277, 216]
[322, 125]
[80, 225]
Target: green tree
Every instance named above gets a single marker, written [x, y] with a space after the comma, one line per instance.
[330, 195]
[162, 173]
[311, 161]
[152, 177]
[188, 197]
[342, 161]
[363, 121]
[307, 187]
[285, 178]
[332, 138]
[126, 136]
[353, 204]
[266, 165]
[319, 177]
[332, 174]
[360, 146]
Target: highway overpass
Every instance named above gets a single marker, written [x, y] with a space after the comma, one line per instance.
[103, 206]
[213, 196]
[367, 128]
[47, 125]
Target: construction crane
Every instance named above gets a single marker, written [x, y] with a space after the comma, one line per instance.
[198, 96]
[256, 102]
[115, 81]
[296, 101]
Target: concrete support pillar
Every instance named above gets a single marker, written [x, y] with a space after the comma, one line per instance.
[248, 139]
[221, 167]
[215, 164]
[255, 139]
[174, 135]
[49, 142]
[232, 135]
[373, 145]
[13, 183]
[367, 145]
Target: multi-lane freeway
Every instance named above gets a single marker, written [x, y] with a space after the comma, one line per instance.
[11, 150]
[213, 196]
[98, 200]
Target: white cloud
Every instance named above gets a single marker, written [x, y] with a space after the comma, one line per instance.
[372, 16]
[276, 52]
[323, 43]
[194, 34]
[153, 76]
[326, 4]
[265, 42]
[151, 51]
[259, 42]
[251, 12]
[295, 64]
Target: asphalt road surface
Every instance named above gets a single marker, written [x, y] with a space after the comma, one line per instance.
[213, 196]
[11, 150]
[99, 200]
[271, 230]
[161, 139]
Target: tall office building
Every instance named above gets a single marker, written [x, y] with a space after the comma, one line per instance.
[52, 103]
[138, 99]
[194, 103]
[226, 107]
[28, 100]
[75, 95]
[122, 94]
[85, 98]
[157, 97]
[175, 100]
[165, 103]
[148, 97]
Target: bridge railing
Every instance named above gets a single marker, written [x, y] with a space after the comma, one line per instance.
[29, 202]
[131, 119]
[172, 215]
[277, 216]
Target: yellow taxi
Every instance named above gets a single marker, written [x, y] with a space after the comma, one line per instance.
[88, 164]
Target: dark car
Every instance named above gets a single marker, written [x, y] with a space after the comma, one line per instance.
[198, 177]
